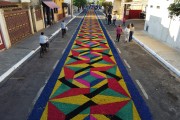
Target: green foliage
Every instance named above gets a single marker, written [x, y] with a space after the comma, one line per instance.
[79, 3]
[106, 4]
[101, 1]
[174, 9]
[107, 7]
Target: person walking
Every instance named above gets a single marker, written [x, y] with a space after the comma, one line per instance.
[126, 33]
[118, 33]
[124, 21]
[63, 28]
[109, 18]
[131, 31]
[114, 19]
[106, 18]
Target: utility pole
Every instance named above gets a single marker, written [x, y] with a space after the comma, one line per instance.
[71, 8]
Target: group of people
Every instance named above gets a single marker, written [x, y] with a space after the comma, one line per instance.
[109, 18]
[128, 32]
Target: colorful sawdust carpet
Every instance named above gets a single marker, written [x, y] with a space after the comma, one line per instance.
[90, 84]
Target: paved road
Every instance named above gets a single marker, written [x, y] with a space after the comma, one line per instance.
[162, 86]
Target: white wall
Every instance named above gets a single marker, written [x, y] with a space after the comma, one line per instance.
[160, 25]
[67, 1]
[13, 0]
[26, 1]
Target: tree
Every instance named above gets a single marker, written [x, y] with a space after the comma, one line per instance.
[107, 7]
[101, 1]
[79, 3]
[174, 9]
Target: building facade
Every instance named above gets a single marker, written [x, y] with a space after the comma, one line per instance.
[160, 25]
[129, 9]
[21, 18]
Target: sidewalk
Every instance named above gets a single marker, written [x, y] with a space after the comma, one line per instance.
[167, 55]
[164, 53]
[12, 58]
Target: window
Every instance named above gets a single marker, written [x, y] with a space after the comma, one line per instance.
[55, 10]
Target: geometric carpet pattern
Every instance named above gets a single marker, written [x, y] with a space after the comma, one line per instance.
[90, 85]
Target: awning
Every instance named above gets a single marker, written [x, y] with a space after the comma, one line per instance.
[51, 4]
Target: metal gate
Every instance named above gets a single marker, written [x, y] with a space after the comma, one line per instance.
[18, 25]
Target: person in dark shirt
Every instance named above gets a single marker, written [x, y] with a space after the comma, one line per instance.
[109, 18]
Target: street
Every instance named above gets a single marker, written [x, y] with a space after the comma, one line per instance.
[157, 85]
[161, 86]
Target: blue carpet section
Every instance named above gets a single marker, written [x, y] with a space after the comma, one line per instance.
[140, 104]
[44, 97]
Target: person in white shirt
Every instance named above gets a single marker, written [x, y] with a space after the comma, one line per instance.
[43, 41]
[132, 28]
[126, 33]
[63, 28]
[114, 19]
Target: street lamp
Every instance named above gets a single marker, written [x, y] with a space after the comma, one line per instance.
[71, 8]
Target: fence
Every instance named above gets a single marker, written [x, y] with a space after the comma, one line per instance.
[18, 25]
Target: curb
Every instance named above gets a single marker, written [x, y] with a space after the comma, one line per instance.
[171, 67]
[14, 67]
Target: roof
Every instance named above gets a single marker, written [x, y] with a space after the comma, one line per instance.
[7, 4]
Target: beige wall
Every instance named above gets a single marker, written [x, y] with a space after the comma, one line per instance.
[4, 30]
[117, 7]
[38, 25]
[59, 3]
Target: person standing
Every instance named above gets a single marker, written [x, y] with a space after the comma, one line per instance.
[109, 18]
[118, 33]
[114, 19]
[126, 33]
[63, 28]
[131, 31]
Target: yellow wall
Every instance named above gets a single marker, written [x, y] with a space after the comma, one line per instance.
[59, 3]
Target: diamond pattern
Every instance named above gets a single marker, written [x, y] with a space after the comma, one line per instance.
[90, 85]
